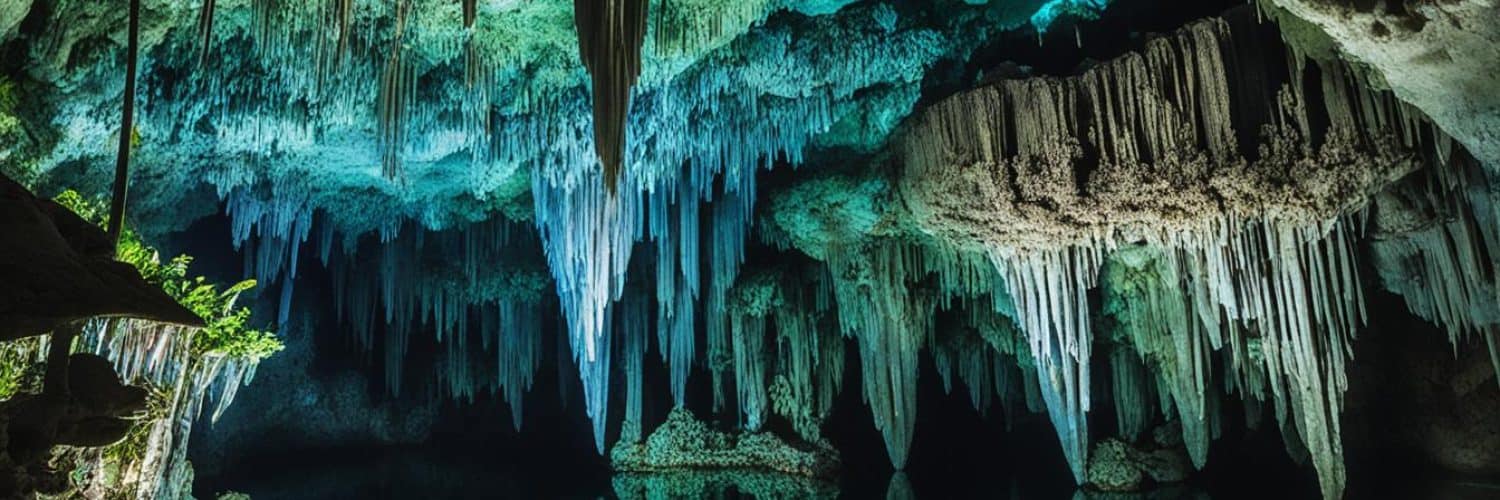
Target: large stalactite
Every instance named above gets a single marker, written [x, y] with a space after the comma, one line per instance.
[610, 36]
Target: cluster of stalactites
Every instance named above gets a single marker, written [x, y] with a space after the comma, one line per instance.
[786, 355]
[1051, 162]
[1050, 291]
[589, 236]
[1437, 245]
[590, 233]
[1249, 255]
[689, 26]
[634, 340]
[472, 288]
[890, 322]
[733, 133]
[319, 66]
[328, 59]
[475, 288]
[980, 346]
[160, 355]
[1281, 301]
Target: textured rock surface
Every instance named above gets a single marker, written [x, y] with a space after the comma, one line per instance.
[1126, 152]
[1112, 468]
[1035, 191]
[752, 86]
[685, 443]
[1116, 466]
[1437, 56]
[11, 14]
[1212, 187]
[1450, 413]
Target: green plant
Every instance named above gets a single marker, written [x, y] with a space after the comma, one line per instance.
[13, 160]
[8, 98]
[228, 331]
[133, 448]
[19, 371]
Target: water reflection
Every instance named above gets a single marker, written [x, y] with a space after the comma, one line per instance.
[421, 473]
[900, 488]
[721, 484]
[746, 484]
[1168, 492]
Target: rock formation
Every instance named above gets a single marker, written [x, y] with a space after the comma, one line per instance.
[747, 188]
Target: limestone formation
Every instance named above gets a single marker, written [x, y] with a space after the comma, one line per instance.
[1436, 56]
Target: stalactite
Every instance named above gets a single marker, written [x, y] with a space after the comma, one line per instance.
[594, 372]
[806, 363]
[589, 235]
[300, 103]
[519, 332]
[1437, 245]
[397, 91]
[1132, 391]
[483, 305]
[1145, 295]
[1252, 252]
[471, 13]
[729, 221]
[634, 335]
[206, 26]
[1050, 290]
[162, 356]
[890, 323]
[749, 353]
[689, 26]
[610, 36]
[962, 352]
